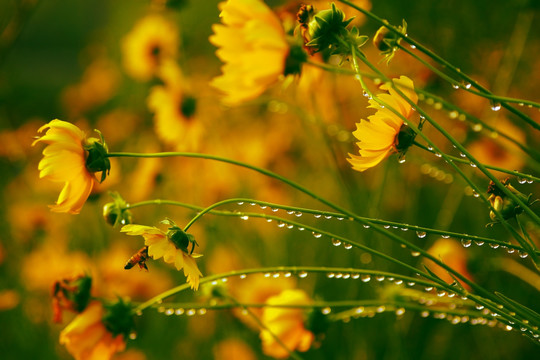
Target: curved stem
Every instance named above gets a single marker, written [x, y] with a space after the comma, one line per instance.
[491, 167]
[294, 210]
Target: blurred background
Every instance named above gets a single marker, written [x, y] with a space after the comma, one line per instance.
[81, 62]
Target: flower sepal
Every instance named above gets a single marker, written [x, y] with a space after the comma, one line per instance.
[180, 238]
[118, 318]
[326, 31]
[97, 159]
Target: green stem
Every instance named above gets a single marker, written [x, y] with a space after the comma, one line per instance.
[291, 210]
[440, 60]
[339, 209]
[491, 167]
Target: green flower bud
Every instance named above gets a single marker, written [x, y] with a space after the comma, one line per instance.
[504, 204]
[96, 158]
[118, 318]
[117, 212]
[388, 41]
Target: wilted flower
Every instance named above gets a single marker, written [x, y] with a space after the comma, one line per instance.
[92, 335]
[286, 323]
[253, 45]
[72, 159]
[152, 40]
[72, 294]
[385, 132]
[172, 246]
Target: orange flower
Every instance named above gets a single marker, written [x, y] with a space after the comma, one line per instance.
[453, 255]
[285, 323]
[174, 120]
[152, 40]
[253, 46]
[382, 134]
[87, 338]
[171, 247]
[66, 159]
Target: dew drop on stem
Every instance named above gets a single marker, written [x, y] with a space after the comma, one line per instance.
[466, 242]
[421, 234]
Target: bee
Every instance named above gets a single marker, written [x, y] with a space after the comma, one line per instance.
[139, 258]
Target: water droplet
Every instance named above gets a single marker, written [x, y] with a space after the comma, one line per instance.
[455, 86]
[339, 275]
[355, 276]
[380, 309]
[298, 214]
[326, 310]
[453, 114]
[477, 127]
[400, 311]
[462, 155]
[290, 212]
[317, 216]
[301, 228]
[424, 314]
[421, 234]
[379, 277]
[413, 46]
[415, 253]
[494, 246]
[479, 242]
[365, 278]
[267, 275]
[522, 254]
[244, 217]
[441, 293]
[347, 246]
[402, 159]
[274, 209]
[302, 274]
[240, 203]
[410, 283]
[511, 250]
[468, 85]
[290, 226]
[275, 275]
[475, 194]
[398, 282]
[473, 165]
[428, 288]
[438, 155]
[202, 311]
[340, 218]
[386, 226]
[530, 181]
[430, 148]
[365, 93]
[263, 207]
[495, 106]
[169, 311]
[287, 274]
[330, 275]
[366, 226]
[191, 312]
[316, 235]
[132, 335]
[522, 180]
[327, 217]
[243, 276]
[479, 307]
[466, 242]
[404, 229]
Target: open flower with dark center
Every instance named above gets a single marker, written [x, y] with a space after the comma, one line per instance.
[384, 132]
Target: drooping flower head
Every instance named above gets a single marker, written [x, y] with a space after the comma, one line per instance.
[72, 159]
[99, 331]
[384, 132]
[286, 323]
[152, 40]
[173, 246]
[254, 48]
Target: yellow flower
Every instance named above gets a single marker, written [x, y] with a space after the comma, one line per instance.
[286, 323]
[66, 159]
[174, 109]
[381, 135]
[252, 45]
[161, 244]
[87, 338]
[152, 40]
